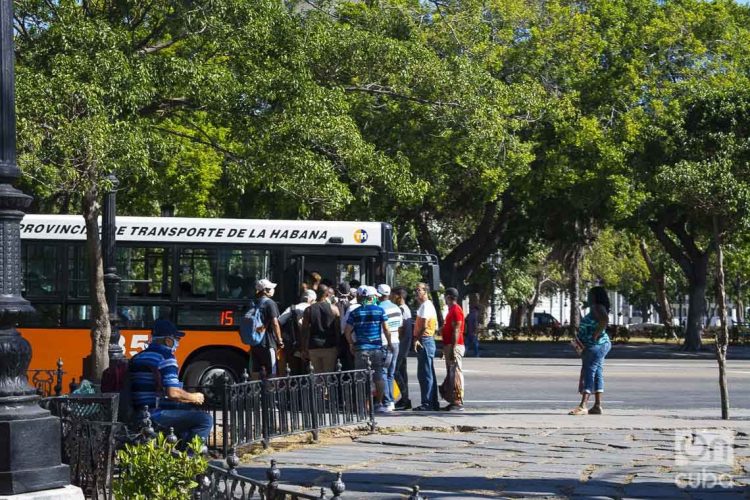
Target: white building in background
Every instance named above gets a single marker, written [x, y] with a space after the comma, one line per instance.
[622, 312]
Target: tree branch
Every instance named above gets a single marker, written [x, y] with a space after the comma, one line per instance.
[381, 90]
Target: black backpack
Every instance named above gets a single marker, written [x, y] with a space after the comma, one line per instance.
[290, 333]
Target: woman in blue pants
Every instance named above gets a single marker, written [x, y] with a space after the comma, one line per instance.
[592, 334]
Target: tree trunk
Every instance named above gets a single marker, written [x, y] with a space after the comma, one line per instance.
[696, 304]
[574, 289]
[516, 317]
[740, 306]
[694, 264]
[722, 338]
[100, 328]
[658, 279]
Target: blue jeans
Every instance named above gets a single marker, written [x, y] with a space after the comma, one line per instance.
[389, 367]
[426, 373]
[472, 342]
[592, 368]
[186, 422]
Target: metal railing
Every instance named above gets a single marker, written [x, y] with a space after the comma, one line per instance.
[256, 411]
[47, 382]
[88, 430]
[221, 482]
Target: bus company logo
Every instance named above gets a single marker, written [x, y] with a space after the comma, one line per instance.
[360, 236]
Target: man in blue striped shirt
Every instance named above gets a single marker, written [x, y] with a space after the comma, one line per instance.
[363, 332]
[154, 383]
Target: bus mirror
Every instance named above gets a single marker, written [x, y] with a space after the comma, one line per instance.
[434, 276]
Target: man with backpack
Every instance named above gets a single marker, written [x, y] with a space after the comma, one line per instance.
[261, 330]
[154, 383]
[291, 328]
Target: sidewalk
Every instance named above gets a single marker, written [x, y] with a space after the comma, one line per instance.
[546, 349]
[517, 454]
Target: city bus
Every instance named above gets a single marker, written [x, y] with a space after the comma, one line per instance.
[200, 273]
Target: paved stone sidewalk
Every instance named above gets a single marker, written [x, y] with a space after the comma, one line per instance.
[515, 463]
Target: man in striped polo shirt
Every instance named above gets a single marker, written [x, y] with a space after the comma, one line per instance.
[154, 383]
[395, 320]
[363, 333]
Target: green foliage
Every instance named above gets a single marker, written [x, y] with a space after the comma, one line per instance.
[156, 470]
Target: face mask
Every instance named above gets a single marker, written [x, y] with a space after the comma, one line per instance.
[175, 345]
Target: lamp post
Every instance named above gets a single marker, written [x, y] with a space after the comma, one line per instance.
[494, 264]
[29, 435]
[111, 279]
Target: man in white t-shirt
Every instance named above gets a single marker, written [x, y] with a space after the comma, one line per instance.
[394, 321]
[424, 344]
[291, 325]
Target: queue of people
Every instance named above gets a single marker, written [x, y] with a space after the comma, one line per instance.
[360, 327]
[357, 324]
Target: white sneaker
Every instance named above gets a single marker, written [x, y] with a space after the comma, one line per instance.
[391, 406]
[382, 409]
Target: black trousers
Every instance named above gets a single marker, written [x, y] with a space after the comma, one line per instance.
[401, 376]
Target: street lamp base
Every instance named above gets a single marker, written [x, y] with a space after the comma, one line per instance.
[69, 492]
[27, 460]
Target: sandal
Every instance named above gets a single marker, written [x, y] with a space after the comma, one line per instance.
[578, 410]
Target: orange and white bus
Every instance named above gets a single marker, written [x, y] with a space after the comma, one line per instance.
[200, 273]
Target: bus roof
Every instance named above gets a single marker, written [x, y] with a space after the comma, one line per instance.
[194, 230]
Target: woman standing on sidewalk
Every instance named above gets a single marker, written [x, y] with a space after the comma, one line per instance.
[593, 335]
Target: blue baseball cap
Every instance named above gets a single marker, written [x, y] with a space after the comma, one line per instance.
[165, 328]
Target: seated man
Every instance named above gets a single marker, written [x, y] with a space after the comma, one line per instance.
[154, 383]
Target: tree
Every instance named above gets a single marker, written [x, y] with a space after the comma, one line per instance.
[95, 82]
[697, 47]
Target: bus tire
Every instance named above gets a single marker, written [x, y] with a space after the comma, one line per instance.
[208, 367]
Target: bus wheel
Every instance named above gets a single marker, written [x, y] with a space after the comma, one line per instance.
[207, 370]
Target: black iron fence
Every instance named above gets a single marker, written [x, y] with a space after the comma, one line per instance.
[256, 411]
[224, 481]
[47, 382]
[89, 429]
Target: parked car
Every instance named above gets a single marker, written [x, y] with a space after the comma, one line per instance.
[643, 327]
[544, 319]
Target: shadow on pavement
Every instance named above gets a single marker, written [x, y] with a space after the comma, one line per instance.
[471, 484]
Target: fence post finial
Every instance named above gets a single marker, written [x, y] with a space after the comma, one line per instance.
[273, 473]
[233, 461]
[171, 437]
[310, 368]
[339, 366]
[338, 487]
[415, 493]
[147, 430]
[59, 381]
[245, 376]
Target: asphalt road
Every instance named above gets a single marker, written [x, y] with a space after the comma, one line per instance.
[652, 384]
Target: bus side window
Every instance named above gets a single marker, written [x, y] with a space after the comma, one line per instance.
[145, 272]
[239, 269]
[41, 269]
[197, 274]
[78, 272]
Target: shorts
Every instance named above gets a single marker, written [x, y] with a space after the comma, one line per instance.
[376, 357]
[264, 358]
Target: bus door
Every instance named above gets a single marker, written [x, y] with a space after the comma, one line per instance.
[294, 270]
[337, 269]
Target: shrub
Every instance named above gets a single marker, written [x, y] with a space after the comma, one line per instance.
[157, 470]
